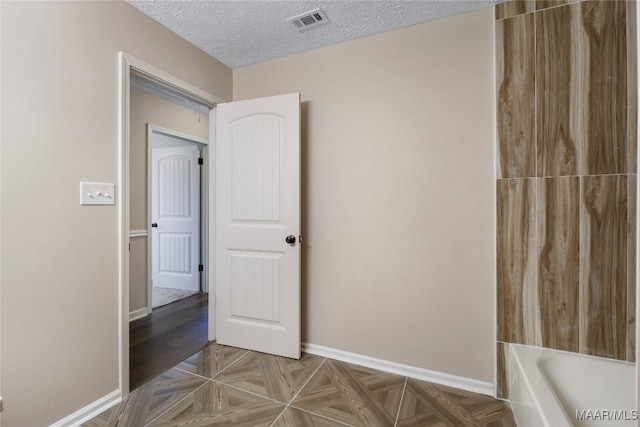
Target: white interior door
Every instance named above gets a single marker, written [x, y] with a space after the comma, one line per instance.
[175, 213]
[258, 224]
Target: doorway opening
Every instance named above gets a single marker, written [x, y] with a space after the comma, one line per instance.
[168, 139]
[174, 324]
[135, 227]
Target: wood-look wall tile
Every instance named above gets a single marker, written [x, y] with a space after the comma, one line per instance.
[502, 386]
[516, 251]
[604, 31]
[603, 266]
[632, 88]
[558, 219]
[631, 268]
[559, 76]
[513, 8]
[515, 41]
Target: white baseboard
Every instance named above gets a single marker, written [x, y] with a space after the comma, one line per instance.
[422, 374]
[138, 314]
[91, 410]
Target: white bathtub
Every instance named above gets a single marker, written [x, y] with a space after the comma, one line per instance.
[556, 389]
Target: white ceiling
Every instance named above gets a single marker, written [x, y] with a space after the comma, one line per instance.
[245, 32]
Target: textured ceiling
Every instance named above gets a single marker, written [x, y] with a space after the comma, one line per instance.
[241, 32]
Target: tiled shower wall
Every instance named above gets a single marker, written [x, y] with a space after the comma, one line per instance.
[566, 186]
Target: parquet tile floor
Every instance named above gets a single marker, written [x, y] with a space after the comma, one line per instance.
[225, 386]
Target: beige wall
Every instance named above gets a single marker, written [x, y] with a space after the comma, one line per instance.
[59, 261]
[150, 109]
[399, 205]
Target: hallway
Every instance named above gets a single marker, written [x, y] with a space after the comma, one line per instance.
[167, 336]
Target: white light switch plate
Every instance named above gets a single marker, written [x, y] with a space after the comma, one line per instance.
[97, 193]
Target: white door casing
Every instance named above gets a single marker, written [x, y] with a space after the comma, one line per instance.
[175, 209]
[257, 207]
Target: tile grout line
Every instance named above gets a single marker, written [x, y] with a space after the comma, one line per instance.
[279, 416]
[540, 10]
[307, 381]
[536, 81]
[406, 379]
[198, 388]
[565, 176]
[211, 380]
[177, 403]
[231, 364]
[247, 391]
[218, 373]
[192, 373]
[296, 395]
[318, 415]
[581, 261]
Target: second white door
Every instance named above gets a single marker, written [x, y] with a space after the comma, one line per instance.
[175, 213]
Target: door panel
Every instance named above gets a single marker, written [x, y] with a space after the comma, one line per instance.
[258, 206]
[256, 274]
[175, 209]
[256, 168]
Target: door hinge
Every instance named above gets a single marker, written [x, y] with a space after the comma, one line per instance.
[201, 267]
[1, 405]
[200, 161]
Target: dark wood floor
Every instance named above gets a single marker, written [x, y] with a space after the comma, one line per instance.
[166, 337]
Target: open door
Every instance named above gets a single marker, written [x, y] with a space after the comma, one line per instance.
[258, 224]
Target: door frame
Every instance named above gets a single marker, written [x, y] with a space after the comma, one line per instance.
[203, 227]
[128, 65]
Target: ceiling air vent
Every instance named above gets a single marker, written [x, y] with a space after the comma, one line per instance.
[309, 19]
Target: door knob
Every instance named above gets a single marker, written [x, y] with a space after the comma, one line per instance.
[291, 239]
[154, 225]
